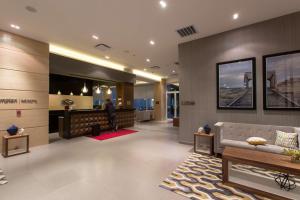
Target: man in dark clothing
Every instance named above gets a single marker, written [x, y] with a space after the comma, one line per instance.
[111, 114]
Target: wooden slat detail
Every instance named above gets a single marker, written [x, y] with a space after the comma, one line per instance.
[16, 80]
[22, 44]
[10, 59]
[41, 97]
[38, 136]
[29, 118]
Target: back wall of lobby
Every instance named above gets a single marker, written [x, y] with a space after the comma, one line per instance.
[198, 60]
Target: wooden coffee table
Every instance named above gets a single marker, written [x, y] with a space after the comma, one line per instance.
[270, 161]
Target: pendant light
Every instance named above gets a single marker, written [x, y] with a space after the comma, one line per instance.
[85, 89]
[98, 91]
[109, 91]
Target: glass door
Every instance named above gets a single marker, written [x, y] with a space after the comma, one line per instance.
[172, 105]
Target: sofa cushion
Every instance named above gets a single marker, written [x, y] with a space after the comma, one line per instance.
[270, 148]
[288, 140]
[241, 132]
[266, 148]
[235, 143]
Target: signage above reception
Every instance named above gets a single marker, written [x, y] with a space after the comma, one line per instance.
[17, 101]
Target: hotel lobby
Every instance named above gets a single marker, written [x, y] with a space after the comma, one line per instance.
[150, 99]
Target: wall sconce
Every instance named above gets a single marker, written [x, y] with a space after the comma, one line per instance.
[85, 89]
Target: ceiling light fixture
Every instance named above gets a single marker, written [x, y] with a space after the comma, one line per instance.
[107, 57]
[95, 37]
[235, 16]
[66, 52]
[163, 4]
[85, 89]
[98, 91]
[137, 82]
[146, 75]
[152, 42]
[15, 26]
[109, 91]
[59, 50]
[148, 60]
[173, 71]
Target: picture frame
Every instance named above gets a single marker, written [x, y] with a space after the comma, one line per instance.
[281, 81]
[236, 84]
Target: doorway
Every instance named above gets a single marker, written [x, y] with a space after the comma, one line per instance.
[172, 104]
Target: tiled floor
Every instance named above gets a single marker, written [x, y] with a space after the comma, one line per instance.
[129, 167]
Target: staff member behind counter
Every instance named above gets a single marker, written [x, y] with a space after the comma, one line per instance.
[111, 114]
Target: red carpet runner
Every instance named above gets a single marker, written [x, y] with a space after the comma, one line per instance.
[109, 135]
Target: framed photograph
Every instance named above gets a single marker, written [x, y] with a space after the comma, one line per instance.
[236, 84]
[281, 76]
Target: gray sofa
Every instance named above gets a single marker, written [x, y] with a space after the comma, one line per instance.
[236, 134]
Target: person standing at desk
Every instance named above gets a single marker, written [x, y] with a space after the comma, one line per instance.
[111, 114]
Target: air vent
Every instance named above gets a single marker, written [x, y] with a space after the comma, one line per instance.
[155, 67]
[102, 47]
[186, 31]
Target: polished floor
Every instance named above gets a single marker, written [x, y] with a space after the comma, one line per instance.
[129, 167]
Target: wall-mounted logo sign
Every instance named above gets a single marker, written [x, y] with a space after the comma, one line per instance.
[18, 101]
[188, 103]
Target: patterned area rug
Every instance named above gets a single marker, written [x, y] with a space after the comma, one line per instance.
[200, 178]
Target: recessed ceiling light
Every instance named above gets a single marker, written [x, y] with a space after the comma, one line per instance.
[95, 37]
[173, 71]
[15, 26]
[163, 4]
[152, 42]
[107, 57]
[235, 16]
[148, 60]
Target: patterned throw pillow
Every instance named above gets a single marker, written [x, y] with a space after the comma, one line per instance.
[256, 141]
[297, 130]
[288, 140]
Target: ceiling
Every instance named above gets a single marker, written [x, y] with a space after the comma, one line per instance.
[128, 26]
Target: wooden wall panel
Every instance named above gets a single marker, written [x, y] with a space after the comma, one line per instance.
[22, 44]
[81, 102]
[10, 59]
[42, 101]
[24, 75]
[16, 80]
[29, 118]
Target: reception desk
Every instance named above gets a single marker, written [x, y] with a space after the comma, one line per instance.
[77, 123]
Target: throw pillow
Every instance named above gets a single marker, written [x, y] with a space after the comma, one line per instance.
[297, 130]
[288, 140]
[256, 141]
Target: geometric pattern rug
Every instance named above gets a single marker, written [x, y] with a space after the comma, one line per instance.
[200, 178]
